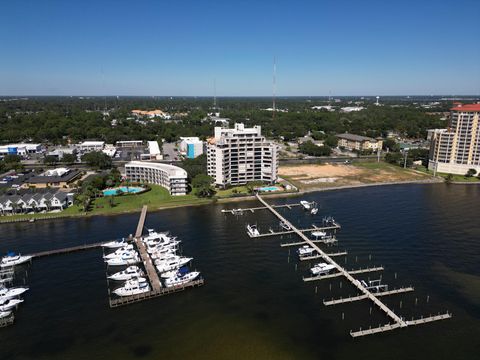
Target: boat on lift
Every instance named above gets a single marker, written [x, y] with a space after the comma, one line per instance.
[12, 259]
[133, 286]
[314, 211]
[306, 205]
[321, 269]
[286, 226]
[305, 251]
[252, 230]
[127, 274]
[319, 234]
[181, 279]
[9, 304]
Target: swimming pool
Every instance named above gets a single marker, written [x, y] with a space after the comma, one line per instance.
[268, 189]
[123, 189]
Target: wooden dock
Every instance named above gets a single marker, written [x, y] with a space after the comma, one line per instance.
[364, 292]
[252, 210]
[301, 243]
[146, 259]
[126, 300]
[68, 250]
[329, 276]
[7, 321]
[321, 256]
[363, 296]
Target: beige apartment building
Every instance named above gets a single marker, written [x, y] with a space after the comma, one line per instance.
[456, 149]
[171, 177]
[241, 155]
[359, 143]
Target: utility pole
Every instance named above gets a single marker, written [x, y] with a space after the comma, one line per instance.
[405, 161]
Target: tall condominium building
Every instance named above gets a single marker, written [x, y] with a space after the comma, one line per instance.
[457, 149]
[173, 178]
[241, 155]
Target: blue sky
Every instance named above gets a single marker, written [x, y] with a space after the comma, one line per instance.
[179, 47]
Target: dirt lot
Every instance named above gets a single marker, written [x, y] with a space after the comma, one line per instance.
[320, 176]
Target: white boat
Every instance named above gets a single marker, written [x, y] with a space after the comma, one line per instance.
[314, 211]
[10, 293]
[305, 251]
[321, 269]
[319, 234]
[12, 259]
[125, 250]
[169, 247]
[5, 314]
[168, 265]
[127, 274]
[129, 259]
[285, 226]
[252, 230]
[115, 244]
[133, 287]
[166, 257]
[9, 304]
[305, 204]
[165, 254]
[181, 279]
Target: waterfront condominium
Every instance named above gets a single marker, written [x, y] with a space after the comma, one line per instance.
[173, 178]
[241, 155]
[456, 149]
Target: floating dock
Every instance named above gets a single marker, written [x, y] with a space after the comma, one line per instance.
[398, 322]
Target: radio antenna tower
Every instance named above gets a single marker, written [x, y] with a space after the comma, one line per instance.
[274, 87]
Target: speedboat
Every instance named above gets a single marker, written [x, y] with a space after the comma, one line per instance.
[305, 251]
[10, 293]
[314, 211]
[11, 259]
[252, 230]
[133, 287]
[305, 204]
[125, 250]
[127, 274]
[181, 279]
[115, 244]
[125, 259]
[5, 314]
[322, 269]
[167, 265]
[159, 241]
[285, 225]
[9, 304]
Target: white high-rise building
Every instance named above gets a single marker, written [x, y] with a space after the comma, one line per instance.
[241, 155]
[457, 149]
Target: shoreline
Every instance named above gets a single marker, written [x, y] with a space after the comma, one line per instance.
[233, 199]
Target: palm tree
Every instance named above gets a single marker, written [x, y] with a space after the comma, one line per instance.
[14, 208]
[48, 204]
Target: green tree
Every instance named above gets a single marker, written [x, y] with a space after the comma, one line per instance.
[50, 160]
[449, 179]
[203, 185]
[471, 173]
[69, 159]
[331, 141]
[98, 160]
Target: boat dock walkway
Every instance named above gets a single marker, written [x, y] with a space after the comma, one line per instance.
[68, 250]
[353, 272]
[362, 297]
[146, 259]
[253, 209]
[320, 256]
[398, 321]
[321, 241]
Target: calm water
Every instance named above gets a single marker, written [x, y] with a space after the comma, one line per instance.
[254, 304]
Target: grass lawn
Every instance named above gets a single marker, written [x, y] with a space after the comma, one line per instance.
[241, 190]
[455, 178]
[157, 198]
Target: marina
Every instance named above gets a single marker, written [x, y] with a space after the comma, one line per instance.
[365, 289]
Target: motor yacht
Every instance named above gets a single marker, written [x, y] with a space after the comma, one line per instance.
[9, 304]
[252, 230]
[115, 244]
[125, 250]
[10, 293]
[168, 265]
[127, 274]
[5, 314]
[133, 286]
[321, 269]
[175, 272]
[12, 259]
[125, 259]
[181, 279]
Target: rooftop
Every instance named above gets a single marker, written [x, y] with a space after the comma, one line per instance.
[466, 107]
[354, 137]
[173, 171]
